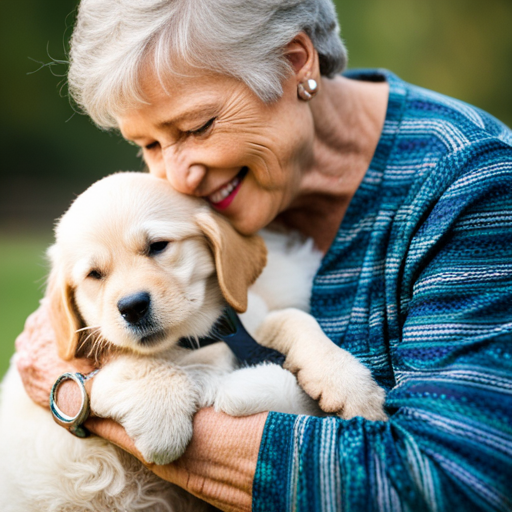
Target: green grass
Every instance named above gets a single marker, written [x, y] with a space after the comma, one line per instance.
[23, 270]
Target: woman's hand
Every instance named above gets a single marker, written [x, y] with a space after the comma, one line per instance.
[219, 463]
[37, 360]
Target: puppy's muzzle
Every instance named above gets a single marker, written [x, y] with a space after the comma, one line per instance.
[135, 308]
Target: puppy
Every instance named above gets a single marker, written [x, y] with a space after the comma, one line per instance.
[135, 268]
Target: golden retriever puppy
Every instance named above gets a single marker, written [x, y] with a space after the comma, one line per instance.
[137, 267]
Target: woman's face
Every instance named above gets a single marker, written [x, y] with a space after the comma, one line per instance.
[212, 137]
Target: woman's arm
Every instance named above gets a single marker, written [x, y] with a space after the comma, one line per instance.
[448, 321]
[220, 461]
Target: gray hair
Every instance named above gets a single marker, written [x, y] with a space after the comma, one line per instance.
[114, 39]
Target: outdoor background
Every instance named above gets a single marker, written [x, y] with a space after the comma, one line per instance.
[49, 154]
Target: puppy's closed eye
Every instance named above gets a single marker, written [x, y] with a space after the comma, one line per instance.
[157, 247]
[95, 274]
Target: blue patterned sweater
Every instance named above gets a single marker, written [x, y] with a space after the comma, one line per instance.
[418, 285]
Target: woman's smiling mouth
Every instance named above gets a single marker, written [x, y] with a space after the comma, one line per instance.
[223, 197]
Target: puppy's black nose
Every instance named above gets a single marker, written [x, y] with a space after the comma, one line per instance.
[134, 307]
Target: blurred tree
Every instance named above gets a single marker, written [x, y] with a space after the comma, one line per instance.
[49, 152]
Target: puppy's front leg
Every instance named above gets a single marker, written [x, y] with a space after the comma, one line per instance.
[153, 400]
[329, 374]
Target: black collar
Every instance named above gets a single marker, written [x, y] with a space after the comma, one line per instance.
[229, 328]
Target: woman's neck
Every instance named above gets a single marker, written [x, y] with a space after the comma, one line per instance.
[349, 116]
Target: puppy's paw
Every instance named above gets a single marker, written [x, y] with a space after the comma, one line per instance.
[367, 402]
[154, 401]
[164, 445]
[332, 376]
[341, 385]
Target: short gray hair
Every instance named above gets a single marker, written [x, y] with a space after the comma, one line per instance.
[114, 39]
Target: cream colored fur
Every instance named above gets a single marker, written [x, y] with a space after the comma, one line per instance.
[153, 389]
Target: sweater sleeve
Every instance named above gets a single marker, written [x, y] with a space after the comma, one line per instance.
[448, 443]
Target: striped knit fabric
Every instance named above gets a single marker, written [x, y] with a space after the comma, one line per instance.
[418, 285]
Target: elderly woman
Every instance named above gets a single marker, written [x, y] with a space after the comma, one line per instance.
[409, 195]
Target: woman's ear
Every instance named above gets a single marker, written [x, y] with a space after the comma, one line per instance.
[239, 259]
[303, 57]
[63, 314]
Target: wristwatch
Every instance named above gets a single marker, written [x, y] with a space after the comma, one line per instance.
[72, 423]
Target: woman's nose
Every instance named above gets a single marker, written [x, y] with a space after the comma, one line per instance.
[182, 173]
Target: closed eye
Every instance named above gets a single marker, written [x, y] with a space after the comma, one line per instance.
[157, 247]
[95, 274]
[202, 129]
[151, 146]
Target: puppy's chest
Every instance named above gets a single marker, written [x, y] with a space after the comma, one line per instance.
[287, 279]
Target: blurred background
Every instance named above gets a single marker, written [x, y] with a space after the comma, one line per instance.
[49, 153]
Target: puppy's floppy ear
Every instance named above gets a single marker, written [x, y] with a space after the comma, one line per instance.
[239, 259]
[63, 313]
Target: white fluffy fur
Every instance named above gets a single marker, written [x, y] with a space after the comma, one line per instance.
[154, 392]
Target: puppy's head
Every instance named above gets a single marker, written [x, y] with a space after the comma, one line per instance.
[138, 265]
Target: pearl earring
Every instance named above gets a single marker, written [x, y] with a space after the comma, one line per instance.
[307, 89]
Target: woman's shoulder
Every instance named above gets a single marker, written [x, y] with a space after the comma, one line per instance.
[462, 124]
[439, 141]
[455, 123]
[425, 113]
[437, 158]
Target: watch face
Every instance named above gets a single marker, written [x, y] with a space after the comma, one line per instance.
[71, 423]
